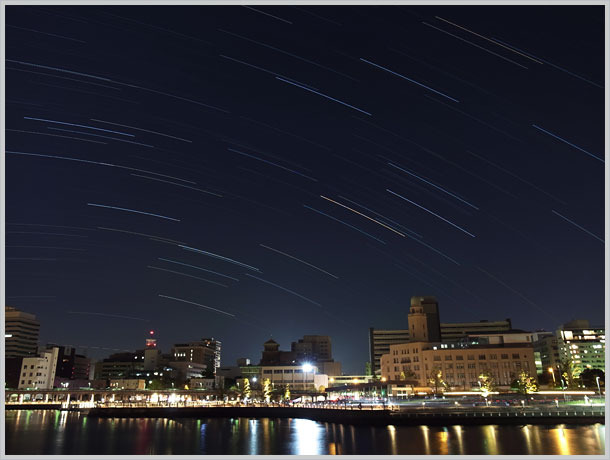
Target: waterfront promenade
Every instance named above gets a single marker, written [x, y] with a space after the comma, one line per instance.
[350, 414]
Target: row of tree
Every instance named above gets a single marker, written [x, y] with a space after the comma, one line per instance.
[267, 392]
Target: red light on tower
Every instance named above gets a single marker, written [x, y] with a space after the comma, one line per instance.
[151, 342]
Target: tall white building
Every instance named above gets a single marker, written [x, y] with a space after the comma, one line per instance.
[39, 372]
[20, 333]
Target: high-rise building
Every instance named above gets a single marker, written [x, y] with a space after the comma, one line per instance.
[582, 344]
[39, 372]
[547, 352]
[204, 351]
[20, 333]
[381, 339]
[379, 344]
[315, 350]
[317, 347]
[71, 365]
[215, 345]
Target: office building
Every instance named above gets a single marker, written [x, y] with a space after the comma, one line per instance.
[21, 332]
[120, 366]
[70, 365]
[546, 350]
[381, 339]
[204, 351]
[379, 344]
[461, 362]
[216, 345]
[315, 347]
[312, 349]
[507, 337]
[583, 344]
[300, 378]
[39, 372]
[456, 331]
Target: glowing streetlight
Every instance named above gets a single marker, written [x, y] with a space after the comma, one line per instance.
[307, 367]
[552, 372]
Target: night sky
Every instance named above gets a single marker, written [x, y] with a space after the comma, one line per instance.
[242, 172]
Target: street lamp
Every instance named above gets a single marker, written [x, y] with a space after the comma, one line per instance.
[552, 372]
[307, 367]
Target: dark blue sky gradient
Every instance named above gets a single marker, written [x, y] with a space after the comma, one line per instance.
[175, 71]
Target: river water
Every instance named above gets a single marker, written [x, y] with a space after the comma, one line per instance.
[36, 432]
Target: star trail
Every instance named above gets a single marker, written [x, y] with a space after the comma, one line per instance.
[377, 152]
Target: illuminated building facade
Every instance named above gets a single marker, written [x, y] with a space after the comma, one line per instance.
[460, 362]
[582, 344]
[39, 372]
[301, 377]
[204, 351]
[381, 339]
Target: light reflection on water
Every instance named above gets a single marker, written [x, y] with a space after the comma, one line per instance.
[392, 431]
[56, 432]
[307, 437]
[458, 437]
[562, 442]
[490, 440]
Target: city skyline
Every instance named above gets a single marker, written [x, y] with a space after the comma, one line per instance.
[253, 172]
